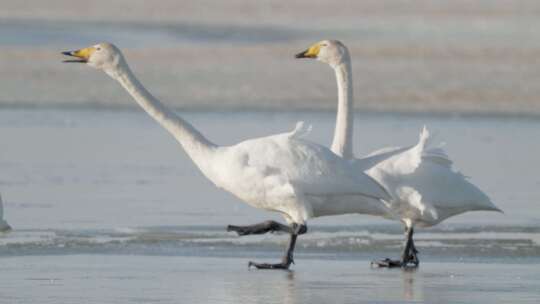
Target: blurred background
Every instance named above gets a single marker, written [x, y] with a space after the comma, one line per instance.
[106, 207]
[457, 56]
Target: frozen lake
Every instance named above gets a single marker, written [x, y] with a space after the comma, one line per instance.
[108, 200]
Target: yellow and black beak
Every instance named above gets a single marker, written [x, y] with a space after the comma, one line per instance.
[82, 55]
[312, 52]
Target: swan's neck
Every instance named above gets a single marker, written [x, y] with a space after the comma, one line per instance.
[343, 141]
[194, 143]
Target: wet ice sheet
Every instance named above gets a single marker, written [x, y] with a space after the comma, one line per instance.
[113, 182]
[323, 242]
[154, 279]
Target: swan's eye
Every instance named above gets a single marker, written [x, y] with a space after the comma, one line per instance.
[98, 48]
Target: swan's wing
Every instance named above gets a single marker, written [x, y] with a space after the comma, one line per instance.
[438, 156]
[323, 173]
[307, 167]
[383, 151]
[448, 191]
[423, 183]
[407, 161]
[367, 162]
[399, 161]
[408, 158]
[288, 174]
[336, 181]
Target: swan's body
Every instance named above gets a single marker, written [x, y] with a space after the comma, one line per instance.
[424, 188]
[4, 226]
[283, 173]
[295, 177]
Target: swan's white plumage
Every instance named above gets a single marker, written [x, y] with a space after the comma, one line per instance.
[4, 226]
[291, 175]
[283, 172]
[425, 189]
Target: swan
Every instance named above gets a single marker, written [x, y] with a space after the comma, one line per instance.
[284, 173]
[425, 190]
[4, 226]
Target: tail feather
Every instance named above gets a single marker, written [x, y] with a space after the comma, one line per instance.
[488, 205]
[436, 154]
[409, 161]
[300, 130]
[424, 137]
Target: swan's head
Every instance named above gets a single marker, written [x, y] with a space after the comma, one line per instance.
[103, 56]
[332, 52]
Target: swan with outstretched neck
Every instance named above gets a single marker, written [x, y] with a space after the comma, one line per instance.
[283, 173]
[425, 189]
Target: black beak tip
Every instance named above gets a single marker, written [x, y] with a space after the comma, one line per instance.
[67, 53]
[300, 55]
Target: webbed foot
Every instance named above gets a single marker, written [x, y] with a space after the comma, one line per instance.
[386, 263]
[282, 265]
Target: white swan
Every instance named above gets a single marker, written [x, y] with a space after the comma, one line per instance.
[424, 188]
[283, 173]
[4, 226]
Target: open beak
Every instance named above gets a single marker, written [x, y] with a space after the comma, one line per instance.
[82, 55]
[312, 52]
[302, 55]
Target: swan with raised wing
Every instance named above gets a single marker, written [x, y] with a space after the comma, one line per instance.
[425, 189]
[284, 173]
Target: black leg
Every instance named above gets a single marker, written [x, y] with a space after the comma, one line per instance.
[409, 257]
[264, 227]
[288, 257]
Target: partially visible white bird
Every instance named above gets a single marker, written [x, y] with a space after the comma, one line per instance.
[4, 226]
[425, 189]
[283, 173]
